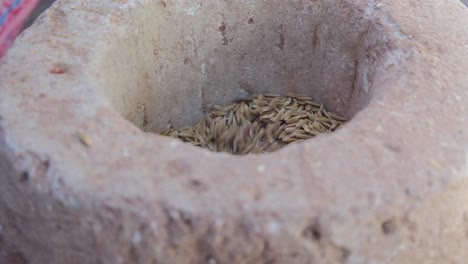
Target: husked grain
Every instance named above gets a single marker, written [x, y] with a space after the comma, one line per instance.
[263, 123]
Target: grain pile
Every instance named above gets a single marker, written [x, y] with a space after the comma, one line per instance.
[262, 124]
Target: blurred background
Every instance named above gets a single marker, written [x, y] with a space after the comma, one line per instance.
[43, 5]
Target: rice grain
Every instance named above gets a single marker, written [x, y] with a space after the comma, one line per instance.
[259, 124]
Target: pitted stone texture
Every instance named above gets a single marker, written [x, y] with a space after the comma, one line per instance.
[81, 184]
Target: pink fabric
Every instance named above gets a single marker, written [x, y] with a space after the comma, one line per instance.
[13, 13]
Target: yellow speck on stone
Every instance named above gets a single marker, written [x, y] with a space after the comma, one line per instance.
[86, 140]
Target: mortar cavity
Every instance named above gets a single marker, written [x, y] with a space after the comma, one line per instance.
[174, 60]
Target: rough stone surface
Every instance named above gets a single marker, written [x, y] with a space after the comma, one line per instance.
[81, 182]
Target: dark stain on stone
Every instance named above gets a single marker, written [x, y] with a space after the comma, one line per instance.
[408, 191]
[188, 222]
[281, 37]
[313, 231]
[354, 86]
[393, 148]
[24, 177]
[145, 117]
[223, 29]
[389, 227]
[251, 21]
[163, 4]
[206, 107]
[315, 40]
[43, 169]
[196, 184]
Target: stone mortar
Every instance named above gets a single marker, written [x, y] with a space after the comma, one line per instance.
[82, 179]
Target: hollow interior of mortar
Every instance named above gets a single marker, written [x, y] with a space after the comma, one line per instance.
[174, 60]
